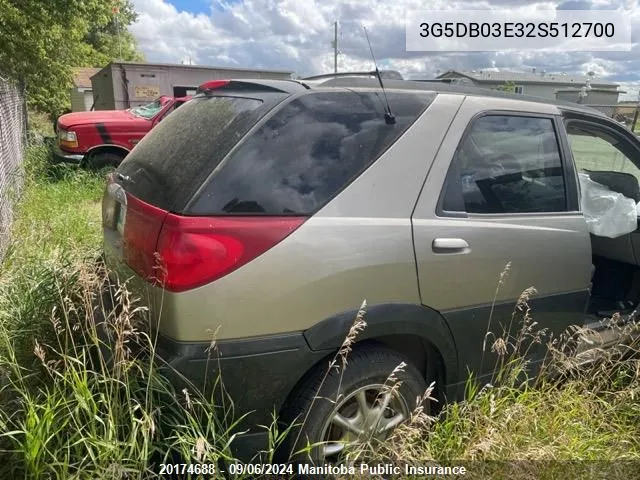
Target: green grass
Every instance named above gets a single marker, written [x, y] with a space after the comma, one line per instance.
[69, 409]
[592, 153]
[56, 230]
[66, 412]
[60, 210]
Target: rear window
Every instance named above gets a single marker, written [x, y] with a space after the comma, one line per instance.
[309, 151]
[171, 162]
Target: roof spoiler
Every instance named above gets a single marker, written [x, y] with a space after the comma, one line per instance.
[248, 85]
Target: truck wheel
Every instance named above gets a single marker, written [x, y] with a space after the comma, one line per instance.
[102, 160]
[355, 405]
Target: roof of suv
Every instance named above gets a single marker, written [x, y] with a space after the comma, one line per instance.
[441, 87]
[366, 81]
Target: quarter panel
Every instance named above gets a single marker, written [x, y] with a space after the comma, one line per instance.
[328, 265]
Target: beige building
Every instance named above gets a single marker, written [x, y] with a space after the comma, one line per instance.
[534, 83]
[593, 96]
[82, 92]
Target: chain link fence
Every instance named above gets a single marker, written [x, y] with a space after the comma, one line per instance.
[13, 119]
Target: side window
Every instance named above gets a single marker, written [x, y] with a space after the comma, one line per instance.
[598, 150]
[304, 155]
[507, 164]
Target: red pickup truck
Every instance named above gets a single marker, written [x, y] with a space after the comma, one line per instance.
[103, 138]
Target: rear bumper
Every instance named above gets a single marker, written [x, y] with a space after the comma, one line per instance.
[251, 378]
[60, 156]
[257, 375]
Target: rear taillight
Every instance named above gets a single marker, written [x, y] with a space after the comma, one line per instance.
[141, 230]
[197, 250]
[180, 253]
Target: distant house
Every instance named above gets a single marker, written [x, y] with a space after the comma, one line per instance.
[82, 92]
[537, 84]
[594, 96]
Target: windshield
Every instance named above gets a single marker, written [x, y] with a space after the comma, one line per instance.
[149, 110]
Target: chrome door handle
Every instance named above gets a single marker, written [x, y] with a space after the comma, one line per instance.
[450, 245]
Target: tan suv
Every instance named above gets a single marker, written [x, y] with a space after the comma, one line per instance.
[276, 207]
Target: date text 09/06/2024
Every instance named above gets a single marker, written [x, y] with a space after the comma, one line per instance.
[281, 470]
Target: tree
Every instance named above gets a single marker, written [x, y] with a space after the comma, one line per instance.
[113, 40]
[507, 87]
[41, 42]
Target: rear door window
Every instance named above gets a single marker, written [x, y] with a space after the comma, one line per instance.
[309, 151]
[507, 164]
[172, 161]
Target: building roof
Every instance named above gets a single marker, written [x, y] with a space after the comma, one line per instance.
[82, 76]
[598, 90]
[527, 77]
[197, 67]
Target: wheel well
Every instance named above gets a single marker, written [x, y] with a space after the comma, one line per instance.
[122, 152]
[422, 354]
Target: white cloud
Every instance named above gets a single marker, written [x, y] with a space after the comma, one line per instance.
[297, 35]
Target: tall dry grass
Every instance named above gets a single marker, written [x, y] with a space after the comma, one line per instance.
[577, 417]
[71, 404]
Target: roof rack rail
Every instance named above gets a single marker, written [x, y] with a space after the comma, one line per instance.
[450, 81]
[434, 80]
[388, 74]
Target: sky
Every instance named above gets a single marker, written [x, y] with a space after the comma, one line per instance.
[297, 35]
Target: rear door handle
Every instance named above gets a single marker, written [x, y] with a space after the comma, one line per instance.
[450, 245]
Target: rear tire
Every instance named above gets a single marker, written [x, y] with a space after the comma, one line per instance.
[355, 388]
[102, 160]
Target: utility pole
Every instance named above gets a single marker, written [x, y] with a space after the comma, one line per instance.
[335, 47]
[116, 13]
[635, 115]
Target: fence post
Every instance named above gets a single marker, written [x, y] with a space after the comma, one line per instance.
[25, 113]
[635, 119]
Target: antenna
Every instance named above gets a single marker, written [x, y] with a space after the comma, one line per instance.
[388, 116]
[116, 11]
[335, 47]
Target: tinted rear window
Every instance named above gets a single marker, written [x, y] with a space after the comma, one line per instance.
[305, 154]
[172, 161]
